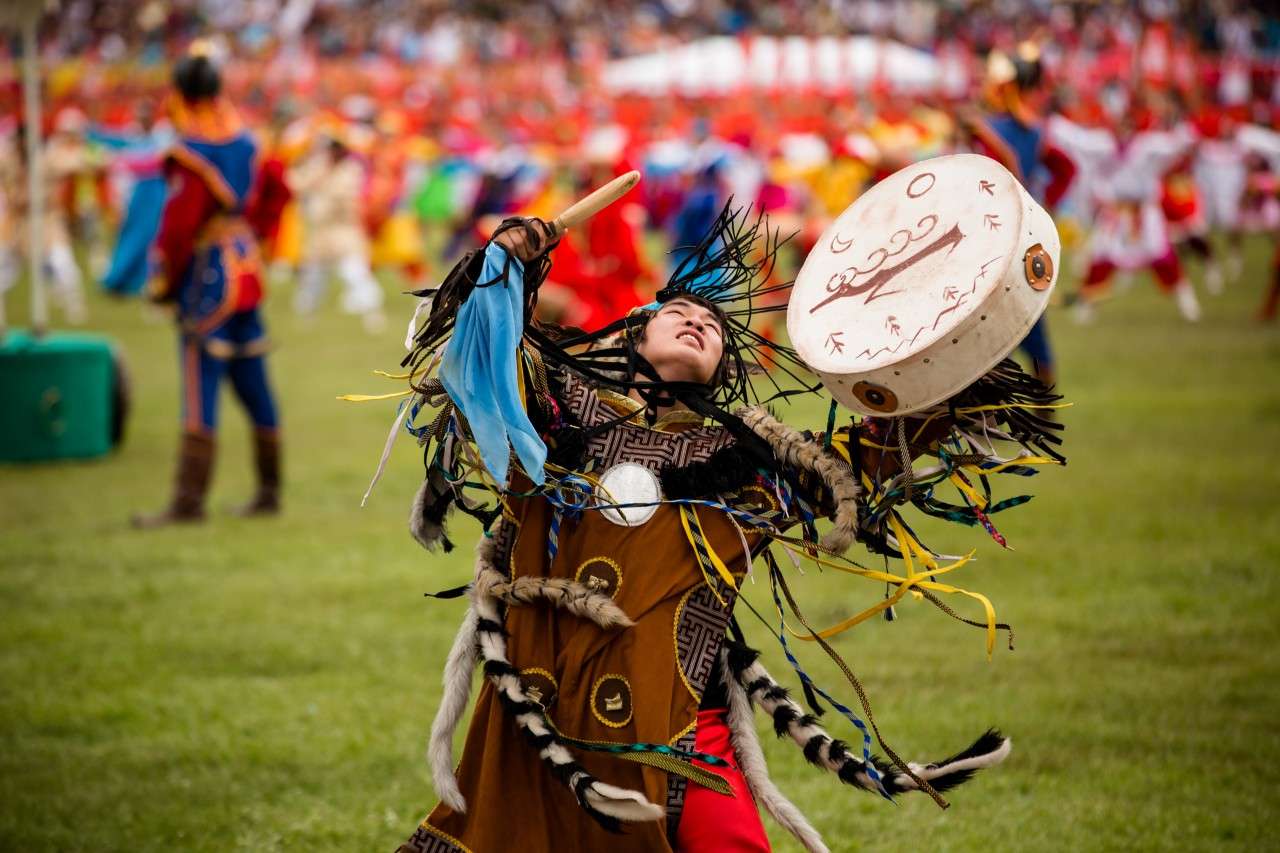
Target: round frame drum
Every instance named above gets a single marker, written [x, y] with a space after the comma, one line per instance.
[923, 284]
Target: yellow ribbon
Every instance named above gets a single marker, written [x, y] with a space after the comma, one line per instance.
[1004, 466]
[912, 551]
[424, 372]
[686, 513]
[919, 581]
[969, 491]
[365, 398]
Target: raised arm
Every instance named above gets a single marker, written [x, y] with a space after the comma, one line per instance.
[962, 439]
[527, 241]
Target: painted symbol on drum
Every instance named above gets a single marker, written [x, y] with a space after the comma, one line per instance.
[986, 187]
[982, 273]
[952, 295]
[842, 285]
[992, 221]
[891, 325]
[834, 345]
[921, 184]
[839, 244]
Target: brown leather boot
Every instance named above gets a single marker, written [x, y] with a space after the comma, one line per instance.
[195, 462]
[266, 449]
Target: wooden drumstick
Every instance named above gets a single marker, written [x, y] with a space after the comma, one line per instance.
[583, 209]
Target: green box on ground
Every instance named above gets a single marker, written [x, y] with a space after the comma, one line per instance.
[59, 396]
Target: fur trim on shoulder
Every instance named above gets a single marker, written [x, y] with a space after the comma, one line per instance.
[792, 448]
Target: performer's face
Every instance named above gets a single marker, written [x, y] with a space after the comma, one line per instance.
[683, 341]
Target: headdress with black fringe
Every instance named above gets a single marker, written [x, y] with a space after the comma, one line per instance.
[731, 269]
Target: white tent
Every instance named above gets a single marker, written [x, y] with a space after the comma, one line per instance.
[721, 65]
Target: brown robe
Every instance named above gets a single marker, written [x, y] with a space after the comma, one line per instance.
[637, 684]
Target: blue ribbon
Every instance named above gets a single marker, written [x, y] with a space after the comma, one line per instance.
[844, 710]
[579, 495]
[479, 369]
[573, 485]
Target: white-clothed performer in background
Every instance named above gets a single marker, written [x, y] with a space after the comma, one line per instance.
[1130, 231]
[1220, 174]
[329, 185]
[1261, 208]
[64, 159]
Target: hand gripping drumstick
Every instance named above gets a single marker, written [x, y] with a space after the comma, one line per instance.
[583, 209]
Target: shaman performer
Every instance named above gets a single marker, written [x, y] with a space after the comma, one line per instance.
[635, 484]
[210, 271]
[1261, 207]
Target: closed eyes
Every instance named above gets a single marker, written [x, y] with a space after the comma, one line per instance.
[708, 320]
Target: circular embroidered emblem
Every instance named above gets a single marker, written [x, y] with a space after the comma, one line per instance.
[600, 574]
[756, 499]
[634, 488]
[540, 686]
[611, 700]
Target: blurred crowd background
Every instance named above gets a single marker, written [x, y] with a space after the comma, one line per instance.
[236, 685]
[406, 129]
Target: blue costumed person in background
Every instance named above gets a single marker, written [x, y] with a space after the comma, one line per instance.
[1013, 134]
[209, 269]
[142, 156]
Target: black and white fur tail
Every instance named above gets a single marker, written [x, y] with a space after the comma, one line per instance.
[608, 804]
[821, 750]
[988, 750]
[751, 761]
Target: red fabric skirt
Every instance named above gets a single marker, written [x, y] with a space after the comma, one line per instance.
[712, 822]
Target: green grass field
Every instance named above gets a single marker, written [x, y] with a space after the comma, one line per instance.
[268, 685]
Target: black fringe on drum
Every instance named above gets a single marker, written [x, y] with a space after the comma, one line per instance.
[1007, 383]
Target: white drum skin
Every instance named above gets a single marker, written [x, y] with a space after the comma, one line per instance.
[923, 284]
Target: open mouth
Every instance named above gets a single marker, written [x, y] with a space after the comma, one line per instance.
[692, 337]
